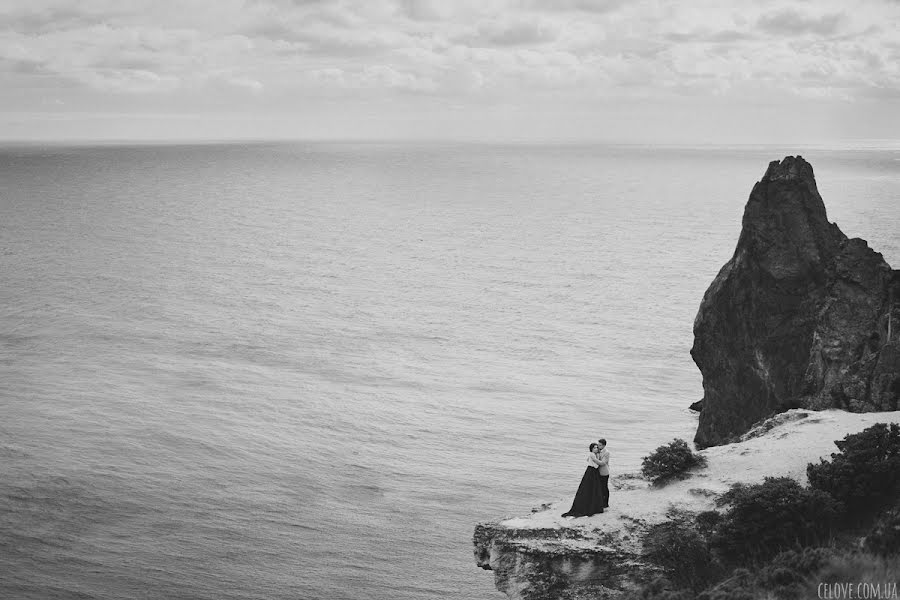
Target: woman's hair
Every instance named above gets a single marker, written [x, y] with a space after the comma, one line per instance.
[591, 447]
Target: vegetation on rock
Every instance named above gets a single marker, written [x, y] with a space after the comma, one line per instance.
[865, 475]
[792, 537]
[884, 538]
[785, 577]
[778, 514]
[671, 461]
[683, 552]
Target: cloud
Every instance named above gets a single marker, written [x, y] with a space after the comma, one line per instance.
[791, 22]
[125, 59]
[498, 69]
[388, 76]
[16, 57]
[423, 10]
[728, 36]
[385, 77]
[460, 51]
[326, 33]
[891, 93]
[518, 32]
[129, 81]
[238, 82]
[37, 20]
[590, 6]
[23, 66]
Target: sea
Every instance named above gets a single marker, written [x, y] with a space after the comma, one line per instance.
[307, 370]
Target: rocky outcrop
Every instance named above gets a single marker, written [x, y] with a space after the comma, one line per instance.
[544, 556]
[563, 563]
[799, 316]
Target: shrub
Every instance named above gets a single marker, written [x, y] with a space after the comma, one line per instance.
[683, 553]
[866, 474]
[741, 585]
[775, 515]
[661, 588]
[707, 521]
[884, 539]
[671, 461]
[786, 577]
[804, 562]
[787, 574]
[858, 567]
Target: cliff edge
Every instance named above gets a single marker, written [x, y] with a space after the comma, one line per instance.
[544, 556]
[798, 318]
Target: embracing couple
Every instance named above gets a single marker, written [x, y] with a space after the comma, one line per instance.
[593, 493]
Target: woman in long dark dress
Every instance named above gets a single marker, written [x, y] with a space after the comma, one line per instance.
[589, 497]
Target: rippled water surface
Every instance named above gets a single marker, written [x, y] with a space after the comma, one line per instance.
[307, 370]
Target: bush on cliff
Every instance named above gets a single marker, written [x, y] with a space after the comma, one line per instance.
[670, 461]
[788, 572]
[683, 553]
[740, 585]
[884, 538]
[707, 521]
[865, 475]
[661, 588]
[786, 577]
[859, 568]
[778, 514]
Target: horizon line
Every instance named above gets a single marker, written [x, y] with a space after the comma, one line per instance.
[845, 143]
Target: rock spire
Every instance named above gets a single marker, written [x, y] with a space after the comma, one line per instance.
[798, 318]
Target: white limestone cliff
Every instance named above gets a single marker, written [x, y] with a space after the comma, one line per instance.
[544, 556]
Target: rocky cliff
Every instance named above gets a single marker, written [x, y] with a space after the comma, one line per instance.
[544, 556]
[798, 318]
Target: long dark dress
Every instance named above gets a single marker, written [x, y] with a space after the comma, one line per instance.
[589, 497]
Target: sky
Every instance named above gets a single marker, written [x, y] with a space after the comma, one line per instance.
[653, 71]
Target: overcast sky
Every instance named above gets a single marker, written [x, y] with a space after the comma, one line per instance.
[642, 71]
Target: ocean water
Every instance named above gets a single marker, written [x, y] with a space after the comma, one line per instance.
[308, 370]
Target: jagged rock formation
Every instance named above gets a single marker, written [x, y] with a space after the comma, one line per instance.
[798, 317]
[544, 556]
